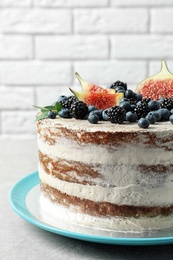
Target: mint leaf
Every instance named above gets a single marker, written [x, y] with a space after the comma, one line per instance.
[46, 109]
[42, 116]
[58, 106]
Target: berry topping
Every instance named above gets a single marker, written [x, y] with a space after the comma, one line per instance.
[64, 112]
[143, 122]
[78, 110]
[131, 116]
[117, 84]
[151, 117]
[93, 118]
[166, 103]
[67, 102]
[116, 114]
[51, 114]
[141, 109]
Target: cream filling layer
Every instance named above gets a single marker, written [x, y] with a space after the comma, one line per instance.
[128, 154]
[56, 215]
[134, 194]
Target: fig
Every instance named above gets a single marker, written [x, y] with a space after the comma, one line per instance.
[97, 96]
[158, 86]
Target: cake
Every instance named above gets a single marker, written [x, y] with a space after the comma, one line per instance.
[108, 176]
[105, 156]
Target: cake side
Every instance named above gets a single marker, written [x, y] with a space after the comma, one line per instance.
[130, 178]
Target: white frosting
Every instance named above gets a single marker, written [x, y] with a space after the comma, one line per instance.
[119, 179]
[128, 154]
[54, 214]
[134, 194]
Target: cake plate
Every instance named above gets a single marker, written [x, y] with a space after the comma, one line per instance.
[24, 199]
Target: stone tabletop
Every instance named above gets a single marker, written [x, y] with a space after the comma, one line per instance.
[21, 240]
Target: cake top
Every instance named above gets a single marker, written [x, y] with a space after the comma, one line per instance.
[116, 108]
[103, 126]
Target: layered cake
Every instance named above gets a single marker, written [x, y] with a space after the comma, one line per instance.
[105, 156]
[108, 176]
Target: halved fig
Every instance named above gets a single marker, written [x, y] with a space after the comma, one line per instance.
[157, 86]
[97, 96]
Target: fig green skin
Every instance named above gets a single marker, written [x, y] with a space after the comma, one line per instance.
[163, 76]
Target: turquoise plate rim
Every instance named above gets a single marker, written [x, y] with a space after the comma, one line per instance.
[17, 197]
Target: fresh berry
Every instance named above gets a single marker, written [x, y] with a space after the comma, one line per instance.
[64, 112]
[105, 115]
[62, 98]
[132, 101]
[171, 119]
[157, 115]
[126, 105]
[143, 122]
[91, 108]
[98, 112]
[66, 103]
[151, 117]
[166, 103]
[141, 109]
[165, 113]
[147, 100]
[138, 97]
[118, 83]
[78, 110]
[93, 118]
[131, 116]
[153, 105]
[129, 93]
[117, 114]
[51, 114]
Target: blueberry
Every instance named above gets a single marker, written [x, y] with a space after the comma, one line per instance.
[129, 93]
[126, 105]
[165, 113]
[51, 114]
[98, 113]
[123, 99]
[93, 118]
[171, 111]
[143, 122]
[61, 98]
[151, 117]
[157, 115]
[105, 115]
[153, 105]
[138, 97]
[64, 112]
[131, 116]
[91, 108]
[171, 119]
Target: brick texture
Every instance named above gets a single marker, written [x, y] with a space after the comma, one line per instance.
[44, 42]
[111, 21]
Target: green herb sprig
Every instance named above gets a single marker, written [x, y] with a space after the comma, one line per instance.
[45, 110]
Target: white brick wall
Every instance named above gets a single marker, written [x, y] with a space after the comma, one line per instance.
[43, 43]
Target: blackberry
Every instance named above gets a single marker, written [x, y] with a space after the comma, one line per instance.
[116, 114]
[66, 103]
[78, 110]
[141, 109]
[147, 100]
[166, 103]
[118, 84]
[132, 101]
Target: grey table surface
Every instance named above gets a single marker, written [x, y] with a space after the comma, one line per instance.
[21, 240]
